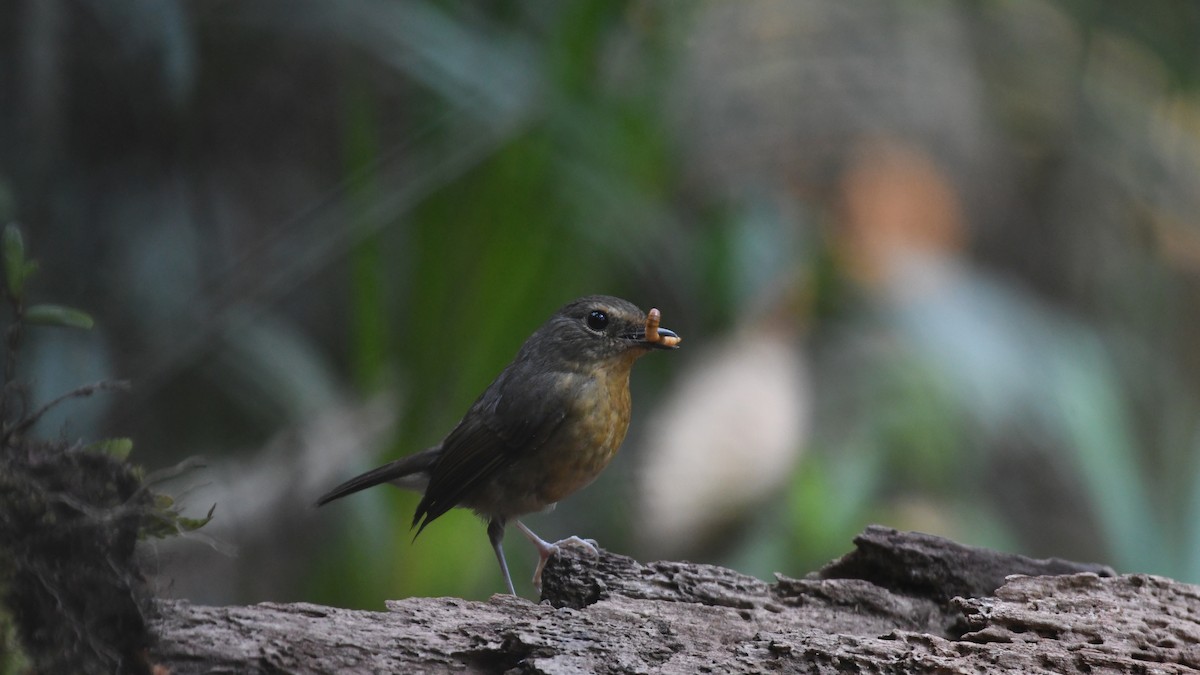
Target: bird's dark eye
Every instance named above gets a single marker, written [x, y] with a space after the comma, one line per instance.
[597, 320]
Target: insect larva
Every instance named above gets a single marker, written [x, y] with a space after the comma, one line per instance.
[653, 318]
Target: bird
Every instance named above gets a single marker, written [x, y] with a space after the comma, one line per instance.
[546, 427]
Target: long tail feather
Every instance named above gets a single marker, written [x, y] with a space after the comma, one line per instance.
[405, 466]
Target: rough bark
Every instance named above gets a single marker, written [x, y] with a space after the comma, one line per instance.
[900, 603]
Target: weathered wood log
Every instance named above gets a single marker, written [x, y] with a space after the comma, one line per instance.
[900, 603]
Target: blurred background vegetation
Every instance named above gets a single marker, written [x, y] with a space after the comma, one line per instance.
[936, 264]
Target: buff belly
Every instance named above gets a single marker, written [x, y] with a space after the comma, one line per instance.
[573, 457]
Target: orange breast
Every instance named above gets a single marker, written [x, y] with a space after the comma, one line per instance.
[583, 445]
[597, 427]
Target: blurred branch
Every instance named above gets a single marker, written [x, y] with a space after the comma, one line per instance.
[79, 392]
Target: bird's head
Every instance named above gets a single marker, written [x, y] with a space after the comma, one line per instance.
[598, 329]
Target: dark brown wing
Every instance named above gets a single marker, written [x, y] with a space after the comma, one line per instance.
[518, 413]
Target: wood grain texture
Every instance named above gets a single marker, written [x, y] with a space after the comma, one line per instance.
[900, 603]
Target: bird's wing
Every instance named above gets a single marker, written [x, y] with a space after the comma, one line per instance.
[505, 423]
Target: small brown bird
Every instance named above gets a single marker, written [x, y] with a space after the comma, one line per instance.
[546, 427]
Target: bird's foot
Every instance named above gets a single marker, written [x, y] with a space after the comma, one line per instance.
[545, 549]
[589, 544]
[544, 553]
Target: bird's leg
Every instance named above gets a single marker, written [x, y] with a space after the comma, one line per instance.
[496, 535]
[545, 549]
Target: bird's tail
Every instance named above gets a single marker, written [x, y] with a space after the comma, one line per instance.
[411, 466]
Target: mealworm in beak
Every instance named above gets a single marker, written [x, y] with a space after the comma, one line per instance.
[653, 318]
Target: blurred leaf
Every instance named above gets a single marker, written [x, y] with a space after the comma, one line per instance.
[185, 524]
[368, 266]
[117, 447]
[1094, 421]
[12, 660]
[829, 499]
[57, 315]
[15, 267]
[165, 521]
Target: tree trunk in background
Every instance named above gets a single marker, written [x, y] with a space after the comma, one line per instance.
[901, 602]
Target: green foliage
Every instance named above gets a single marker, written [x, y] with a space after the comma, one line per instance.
[117, 447]
[57, 315]
[166, 520]
[16, 268]
[12, 658]
[71, 586]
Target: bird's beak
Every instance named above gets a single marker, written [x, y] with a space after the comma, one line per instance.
[639, 339]
[663, 332]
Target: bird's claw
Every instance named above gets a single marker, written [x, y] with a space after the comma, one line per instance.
[588, 545]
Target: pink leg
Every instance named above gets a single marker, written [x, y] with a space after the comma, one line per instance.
[545, 549]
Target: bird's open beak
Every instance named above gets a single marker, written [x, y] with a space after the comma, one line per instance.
[664, 344]
[639, 338]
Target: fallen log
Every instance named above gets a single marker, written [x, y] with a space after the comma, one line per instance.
[901, 602]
